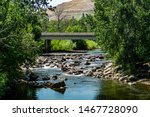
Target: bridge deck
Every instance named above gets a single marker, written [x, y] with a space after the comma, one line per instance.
[70, 36]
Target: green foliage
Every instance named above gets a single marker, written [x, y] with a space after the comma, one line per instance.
[90, 23]
[76, 28]
[37, 32]
[80, 44]
[91, 44]
[85, 24]
[123, 31]
[62, 45]
[20, 25]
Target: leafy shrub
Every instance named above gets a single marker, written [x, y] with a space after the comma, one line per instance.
[91, 44]
[62, 45]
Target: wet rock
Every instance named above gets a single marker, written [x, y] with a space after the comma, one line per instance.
[97, 74]
[101, 57]
[58, 85]
[63, 59]
[52, 65]
[131, 83]
[66, 79]
[117, 76]
[132, 78]
[89, 73]
[45, 60]
[121, 78]
[54, 77]
[60, 90]
[47, 64]
[107, 71]
[28, 71]
[46, 78]
[109, 65]
[33, 76]
[77, 63]
[87, 63]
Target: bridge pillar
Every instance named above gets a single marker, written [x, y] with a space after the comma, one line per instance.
[47, 46]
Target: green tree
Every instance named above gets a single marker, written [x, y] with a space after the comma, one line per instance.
[123, 31]
[20, 26]
[90, 23]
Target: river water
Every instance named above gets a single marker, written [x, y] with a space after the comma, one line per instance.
[79, 87]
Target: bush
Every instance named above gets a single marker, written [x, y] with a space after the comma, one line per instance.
[37, 32]
[91, 44]
[62, 45]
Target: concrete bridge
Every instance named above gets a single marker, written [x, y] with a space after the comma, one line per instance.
[65, 36]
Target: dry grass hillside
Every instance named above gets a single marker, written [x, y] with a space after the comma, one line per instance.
[74, 8]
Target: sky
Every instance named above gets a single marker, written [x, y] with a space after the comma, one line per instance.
[56, 2]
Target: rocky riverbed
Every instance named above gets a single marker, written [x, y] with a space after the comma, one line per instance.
[94, 65]
[66, 75]
[74, 64]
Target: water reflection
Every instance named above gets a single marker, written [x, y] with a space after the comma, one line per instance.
[78, 88]
[21, 92]
[113, 90]
[81, 88]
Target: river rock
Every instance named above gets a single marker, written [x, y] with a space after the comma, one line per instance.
[122, 78]
[101, 57]
[46, 78]
[54, 77]
[89, 73]
[87, 63]
[132, 78]
[47, 64]
[33, 76]
[58, 85]
[108, 65]
[131, 83]
[107, 71]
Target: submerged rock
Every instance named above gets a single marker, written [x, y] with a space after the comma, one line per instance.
[58, 85]
[46, 78]
[54, 77]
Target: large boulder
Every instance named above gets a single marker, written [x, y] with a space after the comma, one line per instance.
[58, 85]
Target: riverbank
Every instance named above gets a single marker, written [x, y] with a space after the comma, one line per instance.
[110, 71]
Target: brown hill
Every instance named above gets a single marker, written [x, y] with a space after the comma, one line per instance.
[74, 8]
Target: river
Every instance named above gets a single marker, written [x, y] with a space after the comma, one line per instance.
[79, 87]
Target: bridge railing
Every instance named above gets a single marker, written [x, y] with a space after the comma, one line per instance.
[70, 36]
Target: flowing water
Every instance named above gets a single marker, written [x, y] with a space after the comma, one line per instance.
[79, 87]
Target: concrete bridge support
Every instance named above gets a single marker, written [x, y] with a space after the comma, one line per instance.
[47, 46]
